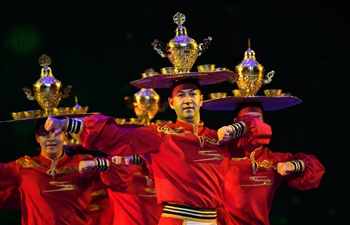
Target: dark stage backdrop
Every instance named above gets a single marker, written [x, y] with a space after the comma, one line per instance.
[98, 47]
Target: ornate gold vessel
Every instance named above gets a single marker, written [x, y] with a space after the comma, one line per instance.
[47, 89]
[182, 50]
[251, 74]
[146, 102]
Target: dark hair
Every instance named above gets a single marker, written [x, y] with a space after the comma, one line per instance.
[184, 81]
[39, 123]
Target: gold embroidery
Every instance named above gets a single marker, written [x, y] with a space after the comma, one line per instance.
[167, 130]
[180, 131]
[148, 180]
[255, 166]
[201, 141]
[213, 153]
[261, 181]
[95, 207]
[64, 170]
[28, 163]
[239, 159]
[67, 170]
[266, 164]
[151, 191]
[62, 186]
[101, 192]
[210, 140]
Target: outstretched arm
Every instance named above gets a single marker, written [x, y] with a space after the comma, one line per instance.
[303, 172]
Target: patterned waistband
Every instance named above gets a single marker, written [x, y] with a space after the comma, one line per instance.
[189, 213]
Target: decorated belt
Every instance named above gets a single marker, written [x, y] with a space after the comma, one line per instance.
[189, 213]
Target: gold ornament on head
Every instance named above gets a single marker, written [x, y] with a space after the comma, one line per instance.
[251, 74]
[47, 89]
[146, 102]
[182, 51]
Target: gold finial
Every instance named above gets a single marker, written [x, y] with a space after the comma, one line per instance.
[179, 18]
[44, 60]
[182, 50]
[77, 108]
[76, 100]
[148, 73]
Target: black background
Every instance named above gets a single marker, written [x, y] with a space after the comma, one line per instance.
[98, 47]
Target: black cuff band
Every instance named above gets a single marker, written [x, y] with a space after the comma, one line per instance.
[136, 159]
[238, 129]
[298, 165]
[73, 126]
[101, 165]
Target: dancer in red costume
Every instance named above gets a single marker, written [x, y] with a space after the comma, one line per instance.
[188, 165]
[101, 210]
[256, 171]
[50, 186]
[137, 204]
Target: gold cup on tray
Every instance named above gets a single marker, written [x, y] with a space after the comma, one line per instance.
[216, 95]
[182, 51]
[273, 92]
[206, 68]
[251, 74]
[47, 90]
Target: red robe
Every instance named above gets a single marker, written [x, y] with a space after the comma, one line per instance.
[137, 204]
[187, 164]
[49, 193]
[251, 182]
[10, 199]
[101, 211]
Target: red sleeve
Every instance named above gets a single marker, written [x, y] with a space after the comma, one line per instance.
[102, 133]
[118, 177]
[9, 193]
[257, 134]
[9, 175]
[312, 175]
[10, 198]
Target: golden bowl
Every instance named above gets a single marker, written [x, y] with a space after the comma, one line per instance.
[286, 94]
[158, 122]
[273, 92]
[236, 92]
[120, 120]
[81, 109]
[62, 111]
[221, 69]
[69, 141]
[135, 121]
[33, 113]
[216, 95]
[206, 68]
[18, 115]
[75, 137]
[167, 70]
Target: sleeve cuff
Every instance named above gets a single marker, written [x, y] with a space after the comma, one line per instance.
[238, 129]
[101, 165]
[74, 126]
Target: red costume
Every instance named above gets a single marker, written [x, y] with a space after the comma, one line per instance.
[252, 180]
[10, 199]
[100, 211]
[51, 191]
[187, 164]
[137, 204]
